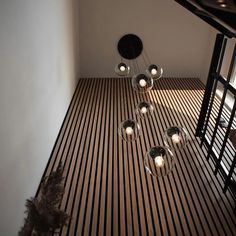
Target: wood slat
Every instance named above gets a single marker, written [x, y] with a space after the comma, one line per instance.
[108, 191]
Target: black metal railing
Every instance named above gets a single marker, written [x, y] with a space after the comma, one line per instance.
[214, 111]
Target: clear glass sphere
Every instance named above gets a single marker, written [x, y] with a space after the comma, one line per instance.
[155, 71]
[129, 130]
[176, 137]
[142, 83]
[159, 161]
[122, 69]
[144, 109]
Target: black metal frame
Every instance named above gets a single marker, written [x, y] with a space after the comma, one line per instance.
[208, 17]
[214, 78]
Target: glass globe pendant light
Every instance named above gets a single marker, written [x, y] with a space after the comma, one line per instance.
[155, 71]
[159, 161]
[176, 137]
[144, 109]
[129, 130]
[122, 69]
[142, 83]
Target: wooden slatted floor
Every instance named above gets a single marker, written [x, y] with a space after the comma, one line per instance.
[108, 191]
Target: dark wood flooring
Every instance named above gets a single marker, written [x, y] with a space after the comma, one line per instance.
[108, 191]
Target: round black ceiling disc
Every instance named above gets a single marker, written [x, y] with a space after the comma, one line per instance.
[130, 46]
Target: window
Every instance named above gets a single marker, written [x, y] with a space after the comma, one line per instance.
[233, 78]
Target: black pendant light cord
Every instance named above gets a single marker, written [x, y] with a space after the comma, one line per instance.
[147, 57]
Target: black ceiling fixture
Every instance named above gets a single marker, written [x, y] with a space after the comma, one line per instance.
[130, 46]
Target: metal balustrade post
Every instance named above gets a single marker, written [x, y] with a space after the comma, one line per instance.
[214, 89]
[226, 137]
[217, 121]
[210, 82]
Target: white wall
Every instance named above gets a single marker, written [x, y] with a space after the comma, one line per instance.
[38, 75]
[173, 37]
